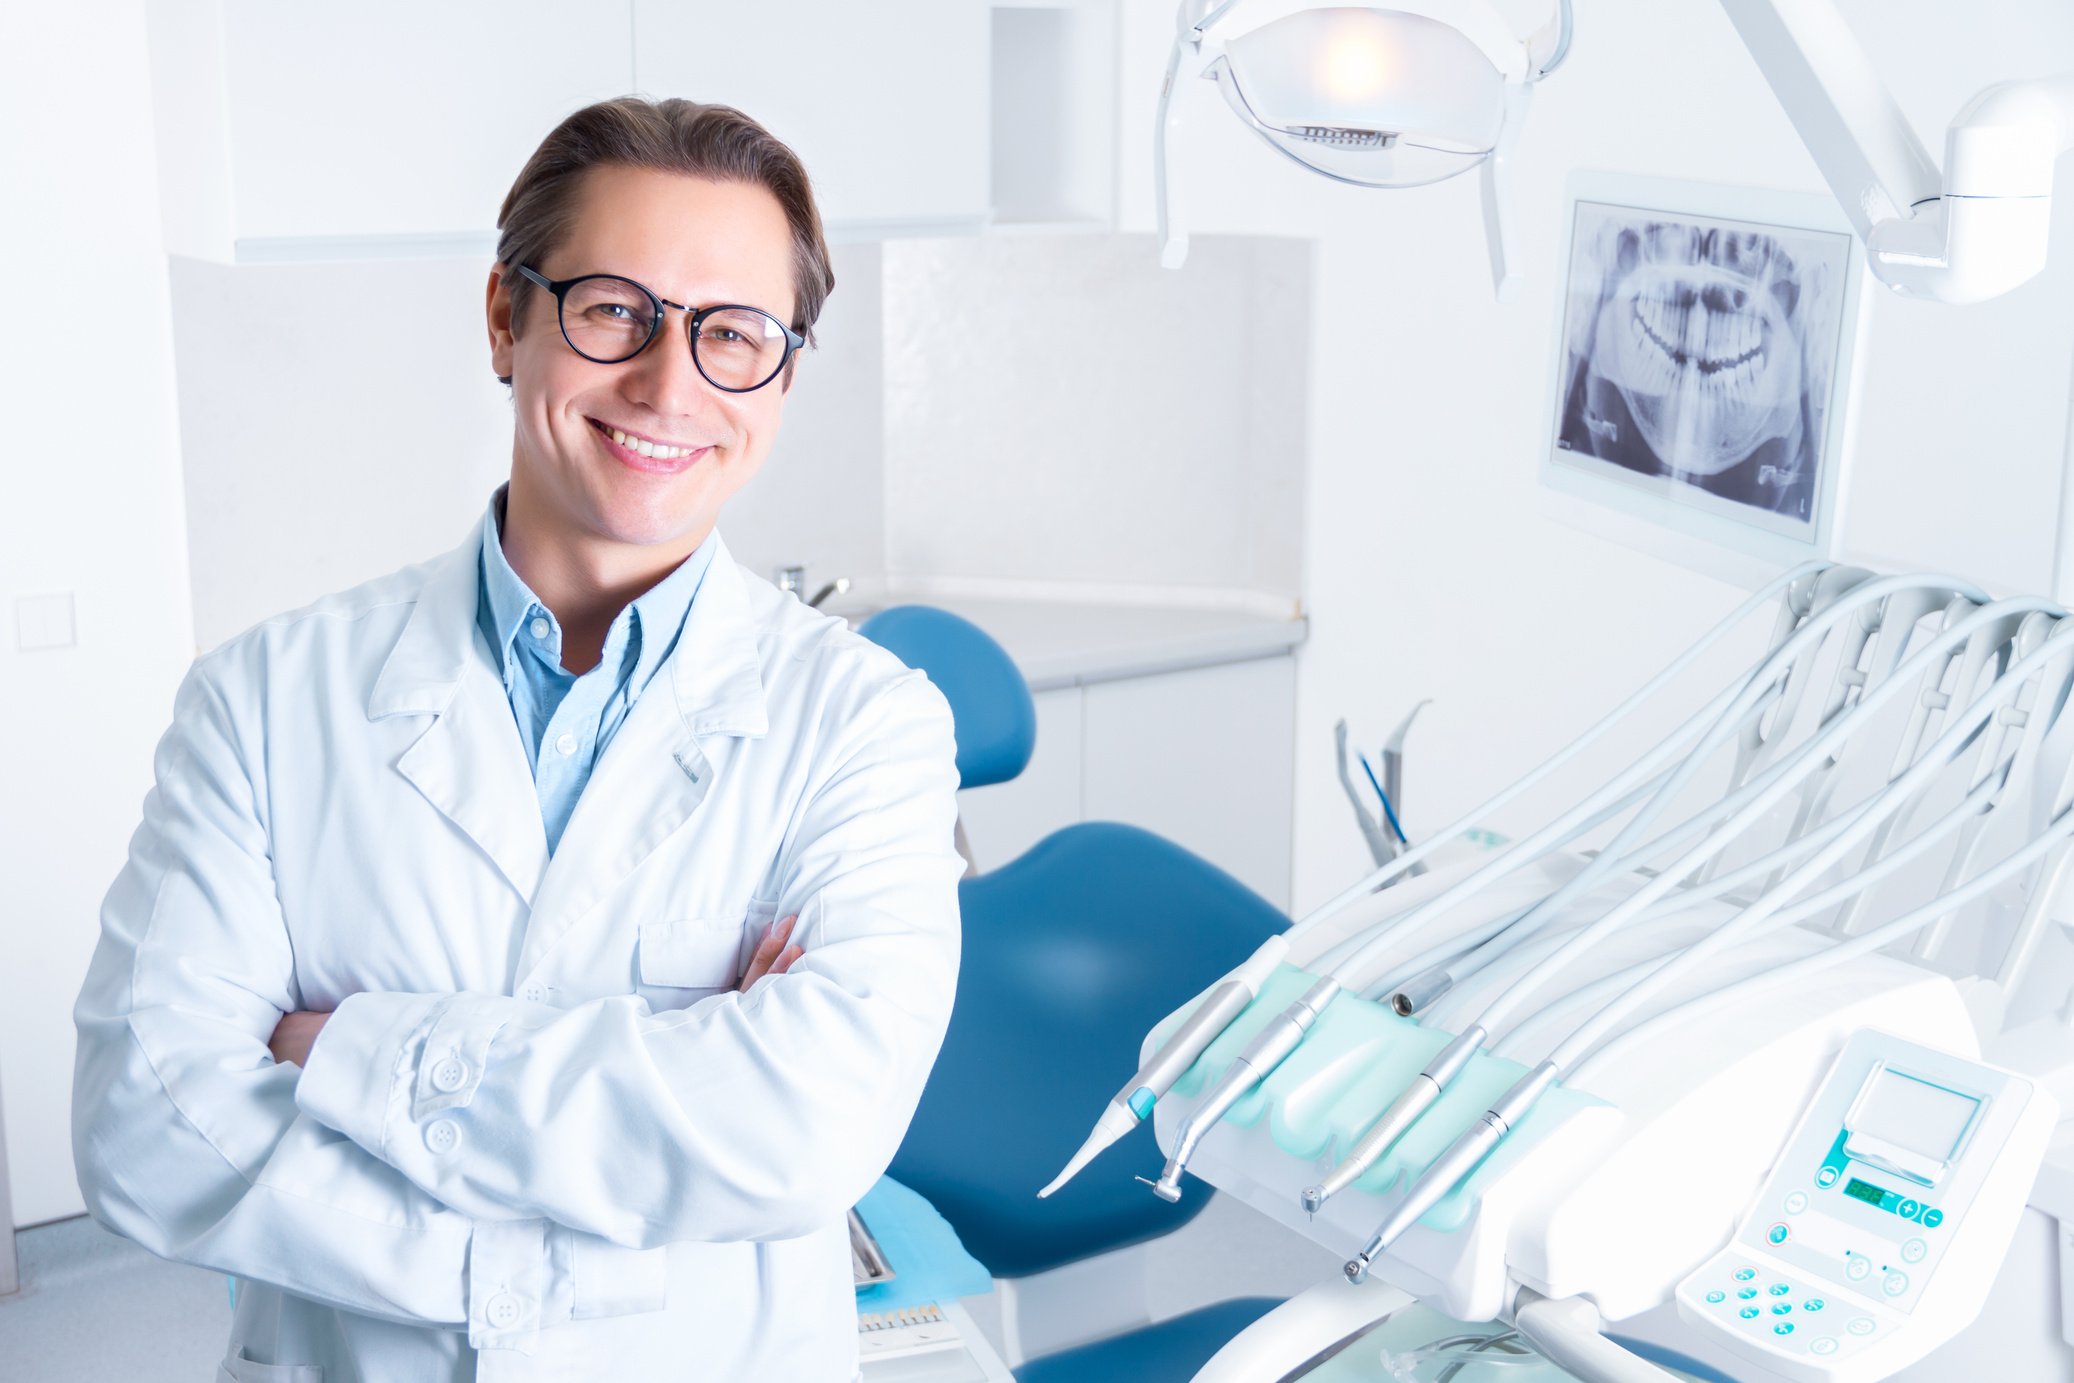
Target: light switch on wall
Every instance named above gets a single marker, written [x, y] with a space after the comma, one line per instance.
[44, 622]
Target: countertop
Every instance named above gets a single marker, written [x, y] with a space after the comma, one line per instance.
[1061, 643]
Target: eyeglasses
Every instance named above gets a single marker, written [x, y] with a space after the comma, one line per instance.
[610, 319]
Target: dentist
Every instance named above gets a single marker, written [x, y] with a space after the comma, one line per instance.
[439, 1000]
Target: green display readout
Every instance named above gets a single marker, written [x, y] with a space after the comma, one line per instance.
[1865, 1191]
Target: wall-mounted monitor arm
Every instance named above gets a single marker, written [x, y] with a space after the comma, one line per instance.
[1973, 233]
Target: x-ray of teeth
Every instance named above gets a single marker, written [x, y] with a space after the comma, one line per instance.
[1702, 351]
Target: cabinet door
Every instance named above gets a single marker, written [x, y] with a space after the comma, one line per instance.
[886, 104]
[1204, 758]
[396, 117]
[1005, 819]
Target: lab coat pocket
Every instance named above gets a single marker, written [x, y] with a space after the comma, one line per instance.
[236, 1368]
[685, 959]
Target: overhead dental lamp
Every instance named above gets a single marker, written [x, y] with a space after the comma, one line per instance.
[1372, 97]
[1386, 98]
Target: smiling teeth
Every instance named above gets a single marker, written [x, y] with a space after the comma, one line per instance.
[649, 448]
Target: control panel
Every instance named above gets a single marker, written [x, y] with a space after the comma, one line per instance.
[1881, 1228]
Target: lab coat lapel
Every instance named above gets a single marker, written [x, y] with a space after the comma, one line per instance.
[469, 762]
[657, 768]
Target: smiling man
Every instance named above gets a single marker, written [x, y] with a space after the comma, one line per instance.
[444, 1000]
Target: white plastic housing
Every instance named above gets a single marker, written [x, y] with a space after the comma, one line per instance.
[1312, 82]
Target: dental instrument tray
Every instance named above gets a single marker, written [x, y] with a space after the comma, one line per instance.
[868, 1263]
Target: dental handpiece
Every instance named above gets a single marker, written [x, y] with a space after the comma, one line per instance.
[1400, 1116]
[1750, 698]
[1470, 1149]
[1133, 1104]
[1455, 1164]
[1269, 1048]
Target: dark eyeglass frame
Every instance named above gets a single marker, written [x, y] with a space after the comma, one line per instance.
[694, 317]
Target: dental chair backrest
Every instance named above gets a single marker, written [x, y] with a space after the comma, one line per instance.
[1072, 953]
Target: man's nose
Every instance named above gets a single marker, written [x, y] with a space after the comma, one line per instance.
[664, 377]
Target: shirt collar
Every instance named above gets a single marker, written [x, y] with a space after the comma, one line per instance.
[652, 623]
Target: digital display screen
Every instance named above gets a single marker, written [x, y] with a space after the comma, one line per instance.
[1865, 1191]
[1925, 1119]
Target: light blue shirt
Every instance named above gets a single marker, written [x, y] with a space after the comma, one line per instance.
[566, 720]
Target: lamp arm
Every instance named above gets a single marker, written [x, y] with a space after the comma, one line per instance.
[1973, 233]
[1496, 176]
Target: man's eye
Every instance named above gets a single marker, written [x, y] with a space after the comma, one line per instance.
[724, 336]
[608, 311]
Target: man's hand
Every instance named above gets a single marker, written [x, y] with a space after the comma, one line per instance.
[294, 1034]
[774, 956]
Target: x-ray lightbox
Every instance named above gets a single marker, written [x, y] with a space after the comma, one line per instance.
[1701, 401]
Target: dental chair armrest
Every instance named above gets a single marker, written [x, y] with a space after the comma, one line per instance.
[1303, 1330]
[1566, 1332]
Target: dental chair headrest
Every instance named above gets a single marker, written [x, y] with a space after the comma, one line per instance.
[990, 702]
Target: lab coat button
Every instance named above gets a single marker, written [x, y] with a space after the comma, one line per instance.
[505, 1310]
[442, 1135]
[450, 1075]
[534, 993]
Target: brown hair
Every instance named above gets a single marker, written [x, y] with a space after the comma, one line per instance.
[671, 136]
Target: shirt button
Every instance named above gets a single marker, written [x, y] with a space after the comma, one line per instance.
[539, 628]
[442, 1135]
[505, 1310]
[566, 744]
[450, 1075]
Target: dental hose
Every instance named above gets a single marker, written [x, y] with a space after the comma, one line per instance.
[1795, 590]
[1473, 1146]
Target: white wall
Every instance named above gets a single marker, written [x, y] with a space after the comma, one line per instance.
[1059, 412]
[1429, 569]
[93, 509]
[340, 420]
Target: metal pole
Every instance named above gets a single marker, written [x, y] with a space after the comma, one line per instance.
[10, 1266]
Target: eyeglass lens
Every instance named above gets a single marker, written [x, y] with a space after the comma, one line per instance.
[609, 320]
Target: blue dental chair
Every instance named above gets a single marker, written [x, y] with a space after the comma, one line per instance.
[1071, 954]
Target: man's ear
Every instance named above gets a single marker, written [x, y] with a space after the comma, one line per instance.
[497, 311]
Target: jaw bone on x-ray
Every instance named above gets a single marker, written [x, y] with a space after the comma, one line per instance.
[1700, 352]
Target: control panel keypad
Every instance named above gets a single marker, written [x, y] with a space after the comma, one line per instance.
[1786, 1310]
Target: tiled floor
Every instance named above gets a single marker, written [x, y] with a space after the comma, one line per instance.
[93, 1306]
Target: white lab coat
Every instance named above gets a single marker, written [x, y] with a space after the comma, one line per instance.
[540, 1122]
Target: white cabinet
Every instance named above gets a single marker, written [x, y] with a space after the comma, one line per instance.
[885, 104]
[393, 128]
[1203, 757]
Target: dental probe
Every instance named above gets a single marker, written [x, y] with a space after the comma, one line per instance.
[1470, 1149]
[1757, 686]
[1795, 589]
[1426, 1088]
[1130, 1105]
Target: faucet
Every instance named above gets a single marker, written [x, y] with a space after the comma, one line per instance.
[793, 581]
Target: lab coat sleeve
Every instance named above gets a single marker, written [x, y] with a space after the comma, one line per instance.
[763, 1115]
[186, 1137]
